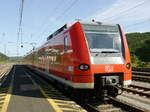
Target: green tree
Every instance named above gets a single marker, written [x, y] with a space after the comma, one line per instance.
[143, 52]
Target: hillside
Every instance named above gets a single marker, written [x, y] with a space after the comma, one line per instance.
[139, 44]
[136, 40]
[3, 57]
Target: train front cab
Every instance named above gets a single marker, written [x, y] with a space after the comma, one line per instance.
[104, 49]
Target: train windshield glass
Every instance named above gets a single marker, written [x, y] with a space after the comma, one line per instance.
[103, 38]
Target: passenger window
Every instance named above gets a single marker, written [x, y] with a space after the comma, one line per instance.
[65, 43]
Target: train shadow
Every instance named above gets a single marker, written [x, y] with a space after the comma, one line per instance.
[24, 86]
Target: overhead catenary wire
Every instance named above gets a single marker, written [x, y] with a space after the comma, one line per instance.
[74, 2]
[59, 16]
[46, 20]
[138, 23]
[53, 12]
[126, 11]
[20, 17]
[67, 9]
[19, 33]
[21, 13]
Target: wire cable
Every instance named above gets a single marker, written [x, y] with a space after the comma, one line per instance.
[63, 13]
[67, 9]
[125, 11]
[52, 14]
[19, 33]
[138, 23]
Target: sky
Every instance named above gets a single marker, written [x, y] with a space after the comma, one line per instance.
[43, 17]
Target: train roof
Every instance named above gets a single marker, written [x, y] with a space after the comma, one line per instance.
[97, 23]
[66, 26]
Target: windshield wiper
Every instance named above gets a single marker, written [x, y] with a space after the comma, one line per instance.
[109, 52]
[104, 50]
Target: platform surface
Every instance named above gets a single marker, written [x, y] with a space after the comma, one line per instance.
[26, 96]
[25, 91]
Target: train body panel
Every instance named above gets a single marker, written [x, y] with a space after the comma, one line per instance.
[86, 55]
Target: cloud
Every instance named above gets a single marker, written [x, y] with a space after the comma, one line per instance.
[125, 12]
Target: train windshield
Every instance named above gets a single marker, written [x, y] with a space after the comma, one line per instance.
[105, 39]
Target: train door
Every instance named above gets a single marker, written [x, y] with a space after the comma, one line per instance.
[46, 60]
[47, 65]
[67, 65]
[64, 59]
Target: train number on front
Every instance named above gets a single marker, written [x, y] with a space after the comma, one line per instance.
[109, 68]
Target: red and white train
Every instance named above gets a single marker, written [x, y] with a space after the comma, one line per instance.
[87, 56]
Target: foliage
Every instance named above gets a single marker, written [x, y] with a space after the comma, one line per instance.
[135, 40]
[143, 52]
[139, 44]
[3, 57]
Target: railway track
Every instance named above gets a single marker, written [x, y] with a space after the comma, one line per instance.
[141, 91]
[139, 69]
[117, 105]
[50, 90]
[141, 75]
[4, 72]
[102, 108]
[114, 105]
[141, 78]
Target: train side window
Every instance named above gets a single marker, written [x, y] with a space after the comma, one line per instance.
[65, 43]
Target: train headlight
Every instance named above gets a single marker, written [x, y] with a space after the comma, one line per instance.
[84, 67]
[128, 65]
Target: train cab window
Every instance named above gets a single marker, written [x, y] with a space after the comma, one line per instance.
[103, 38]
[65, 43]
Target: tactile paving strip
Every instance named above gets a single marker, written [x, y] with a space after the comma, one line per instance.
[3, 93]
[64, 103]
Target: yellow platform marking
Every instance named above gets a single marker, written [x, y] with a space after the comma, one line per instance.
[73, 110]
[53, 96]
[69, 104]
[3, 97]
[8, 94]
[5, 71]
[63, 102]
[52, 103]
[57, 109]
[6, 101]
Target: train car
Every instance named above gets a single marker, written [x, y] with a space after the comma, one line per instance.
[87, 56]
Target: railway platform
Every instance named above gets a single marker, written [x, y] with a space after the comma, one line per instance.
[24, 92]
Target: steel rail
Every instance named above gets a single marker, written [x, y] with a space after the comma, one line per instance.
[3, 74]
[141, 73]
[126, 105]
[140, 87]
[117, 103]
[141, 78]
[141, 93]
[141, 69]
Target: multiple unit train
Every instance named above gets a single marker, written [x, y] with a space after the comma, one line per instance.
[88, 57]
